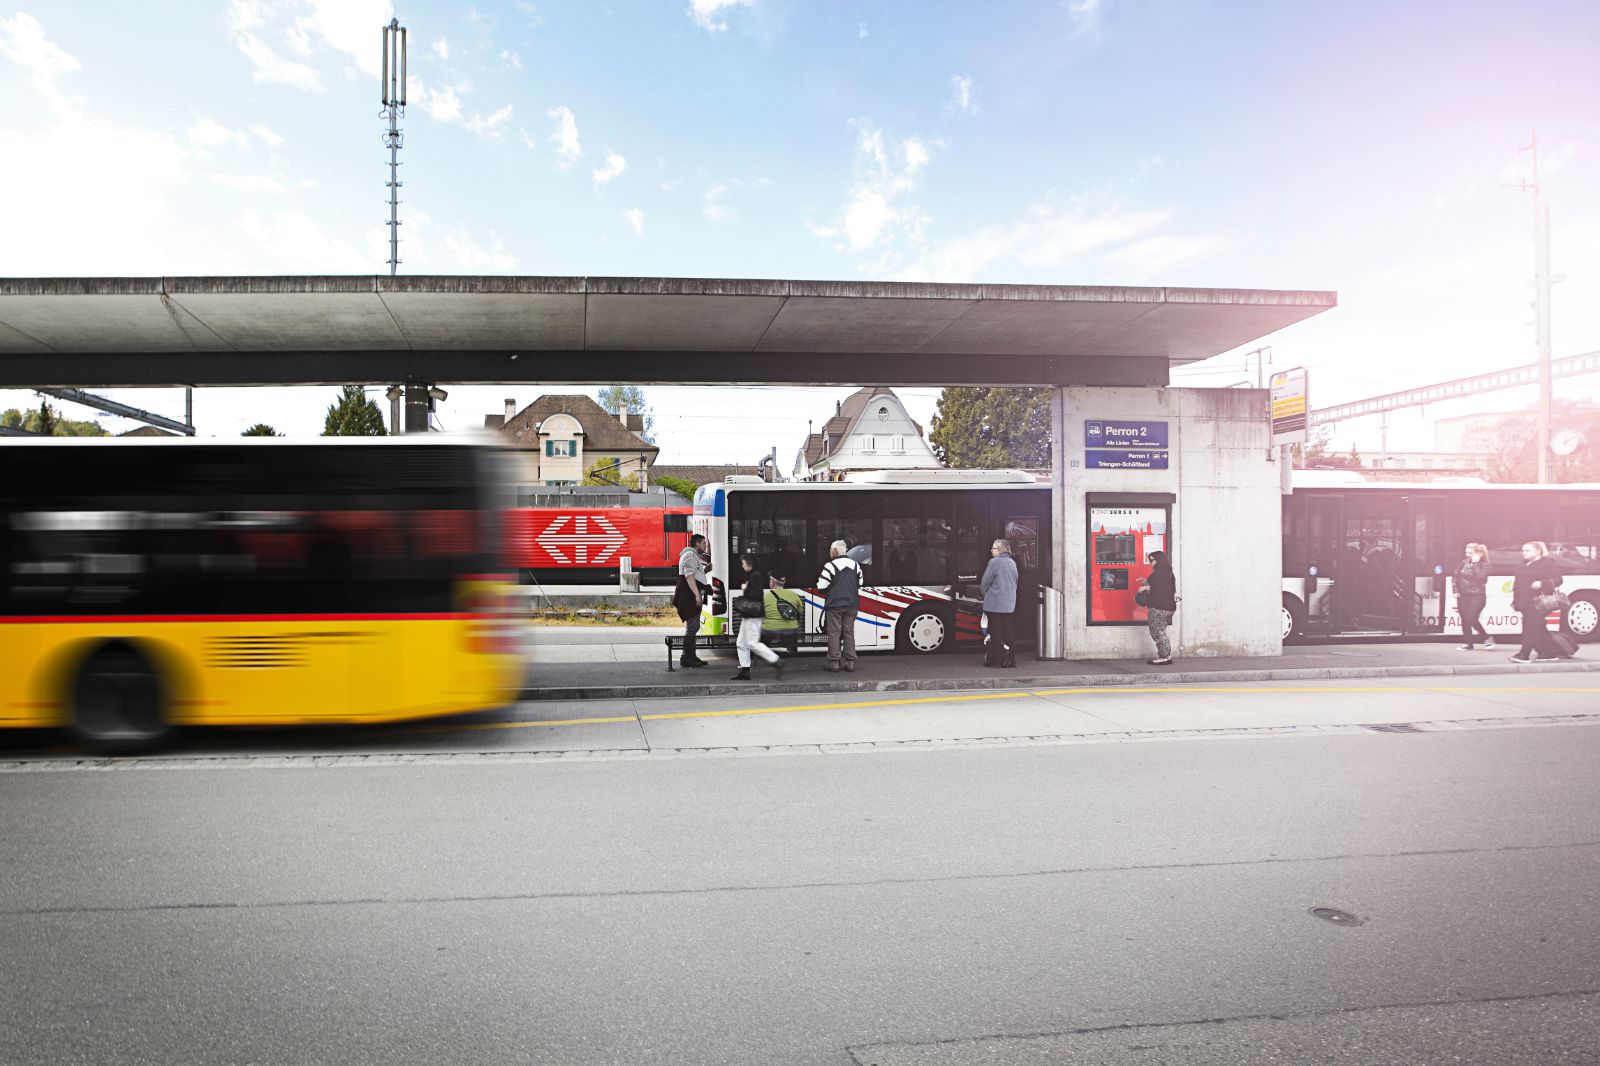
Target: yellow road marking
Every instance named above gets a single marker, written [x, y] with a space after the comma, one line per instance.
[973, 696]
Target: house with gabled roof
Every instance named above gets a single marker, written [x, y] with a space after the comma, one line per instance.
[561, 436]
[870, 430]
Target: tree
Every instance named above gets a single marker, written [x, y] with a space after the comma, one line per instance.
[619, 398]
[48, 422]
[992, 428]
[608, 472]
[261, 429]
[353, 415]
[1511, 445]
[681, 485]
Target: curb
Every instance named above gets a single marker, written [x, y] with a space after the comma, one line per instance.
[961, 684]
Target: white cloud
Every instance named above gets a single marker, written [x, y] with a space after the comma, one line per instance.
[511, 59]
[861, 31]
[613, 168]
[1085, 15]
[441, 48]
[962, 100]
[714, 207]
[209, 133]
[350, 26]
[489, 125]
[705, 12]
[297, 243]
[250, 183]
[885, 174]
[442, 105]
[22, 40]
[635, 219]
[267, 136]
[528, 139]
[469, 256]
[565, 136]
[245, 17]
[1152, 255]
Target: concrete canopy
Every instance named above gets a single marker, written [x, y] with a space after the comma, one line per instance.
[303, 330]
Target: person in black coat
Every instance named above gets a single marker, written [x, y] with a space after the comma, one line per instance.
[1161, 587]
[1539, 577]
[1472, 578]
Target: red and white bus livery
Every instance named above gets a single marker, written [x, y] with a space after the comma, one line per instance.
[921, 538]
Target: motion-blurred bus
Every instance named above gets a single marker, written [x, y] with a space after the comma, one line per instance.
[149, 583]
[1378, 558]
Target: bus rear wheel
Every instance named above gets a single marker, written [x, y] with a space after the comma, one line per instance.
[923, 631]
[1583, 617]
[117, 702]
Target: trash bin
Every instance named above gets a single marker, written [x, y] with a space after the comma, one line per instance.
[1052, 605]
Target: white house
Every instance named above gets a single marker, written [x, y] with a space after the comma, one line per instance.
[869, 430]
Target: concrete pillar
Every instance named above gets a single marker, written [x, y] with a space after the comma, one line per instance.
[1059, 561]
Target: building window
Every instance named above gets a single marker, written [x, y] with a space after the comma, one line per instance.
[870, 445]
[561, 447]
[897, 445]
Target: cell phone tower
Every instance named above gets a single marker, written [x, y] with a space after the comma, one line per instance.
[394, 109]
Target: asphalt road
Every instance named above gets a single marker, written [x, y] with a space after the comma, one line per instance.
[1131, 903]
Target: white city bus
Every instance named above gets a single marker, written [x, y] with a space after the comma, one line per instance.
[1377, 558]
[922, 538]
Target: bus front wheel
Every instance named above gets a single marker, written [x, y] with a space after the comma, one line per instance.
[1294, 618]
[1583, 617]
[923, 631]
[117, 702]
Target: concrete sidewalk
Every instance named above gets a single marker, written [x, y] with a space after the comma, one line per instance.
[631, 663]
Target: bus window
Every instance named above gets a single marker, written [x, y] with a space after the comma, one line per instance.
[916, 551]
[1023, 533]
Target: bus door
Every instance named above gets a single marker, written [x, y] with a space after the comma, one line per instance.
[1326, 603]
[1023, 531]
[1378, 591]
[1429, 565]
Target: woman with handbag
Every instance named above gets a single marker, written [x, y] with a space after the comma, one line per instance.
[1159, 597]
[1534, 595]
[751, 607]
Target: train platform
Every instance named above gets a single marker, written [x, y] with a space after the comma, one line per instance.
[597, 662]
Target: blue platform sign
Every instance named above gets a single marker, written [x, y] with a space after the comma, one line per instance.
[1125, 459]
[1104, 433]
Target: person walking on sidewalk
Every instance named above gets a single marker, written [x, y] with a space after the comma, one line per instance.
[841, 581]
[999, 585]
[1534, 596]
[1161, 590]
[689, 594]
[750, 607]
[1472, 578]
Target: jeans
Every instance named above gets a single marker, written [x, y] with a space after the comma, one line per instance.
[750, 641]
[1158, 622]
[1471, 606]
[840, 622]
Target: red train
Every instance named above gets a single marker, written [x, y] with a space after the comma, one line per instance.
[581, 536]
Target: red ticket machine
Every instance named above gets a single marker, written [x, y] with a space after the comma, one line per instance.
[1117, 568]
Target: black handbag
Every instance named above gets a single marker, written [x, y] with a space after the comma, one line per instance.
[1142, 597]
[748, 608]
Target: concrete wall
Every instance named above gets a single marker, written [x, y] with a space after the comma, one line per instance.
[1225, 538]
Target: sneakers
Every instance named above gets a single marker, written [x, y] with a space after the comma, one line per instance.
[1521, 659]
[1488, 643]
[850, 667]
[1161, 662]
[693, 662]
[777, 669]
[1470, 647]
[831, 667]
[742, 675]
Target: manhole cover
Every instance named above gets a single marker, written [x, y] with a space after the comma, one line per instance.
[1337, 917]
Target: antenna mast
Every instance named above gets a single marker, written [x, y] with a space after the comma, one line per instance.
[1542, 279]
[394, 109]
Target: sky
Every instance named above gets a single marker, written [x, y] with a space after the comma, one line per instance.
[1368, 148]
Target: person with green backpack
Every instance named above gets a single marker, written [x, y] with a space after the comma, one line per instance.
[785, 611]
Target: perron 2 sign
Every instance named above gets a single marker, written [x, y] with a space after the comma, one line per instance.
[1114, 445]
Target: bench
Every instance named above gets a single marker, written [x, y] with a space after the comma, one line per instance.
[675, 643]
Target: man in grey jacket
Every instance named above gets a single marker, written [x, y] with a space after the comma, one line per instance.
[840, 581]
[999, 586]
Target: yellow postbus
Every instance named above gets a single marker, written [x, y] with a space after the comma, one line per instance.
[147, 583]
